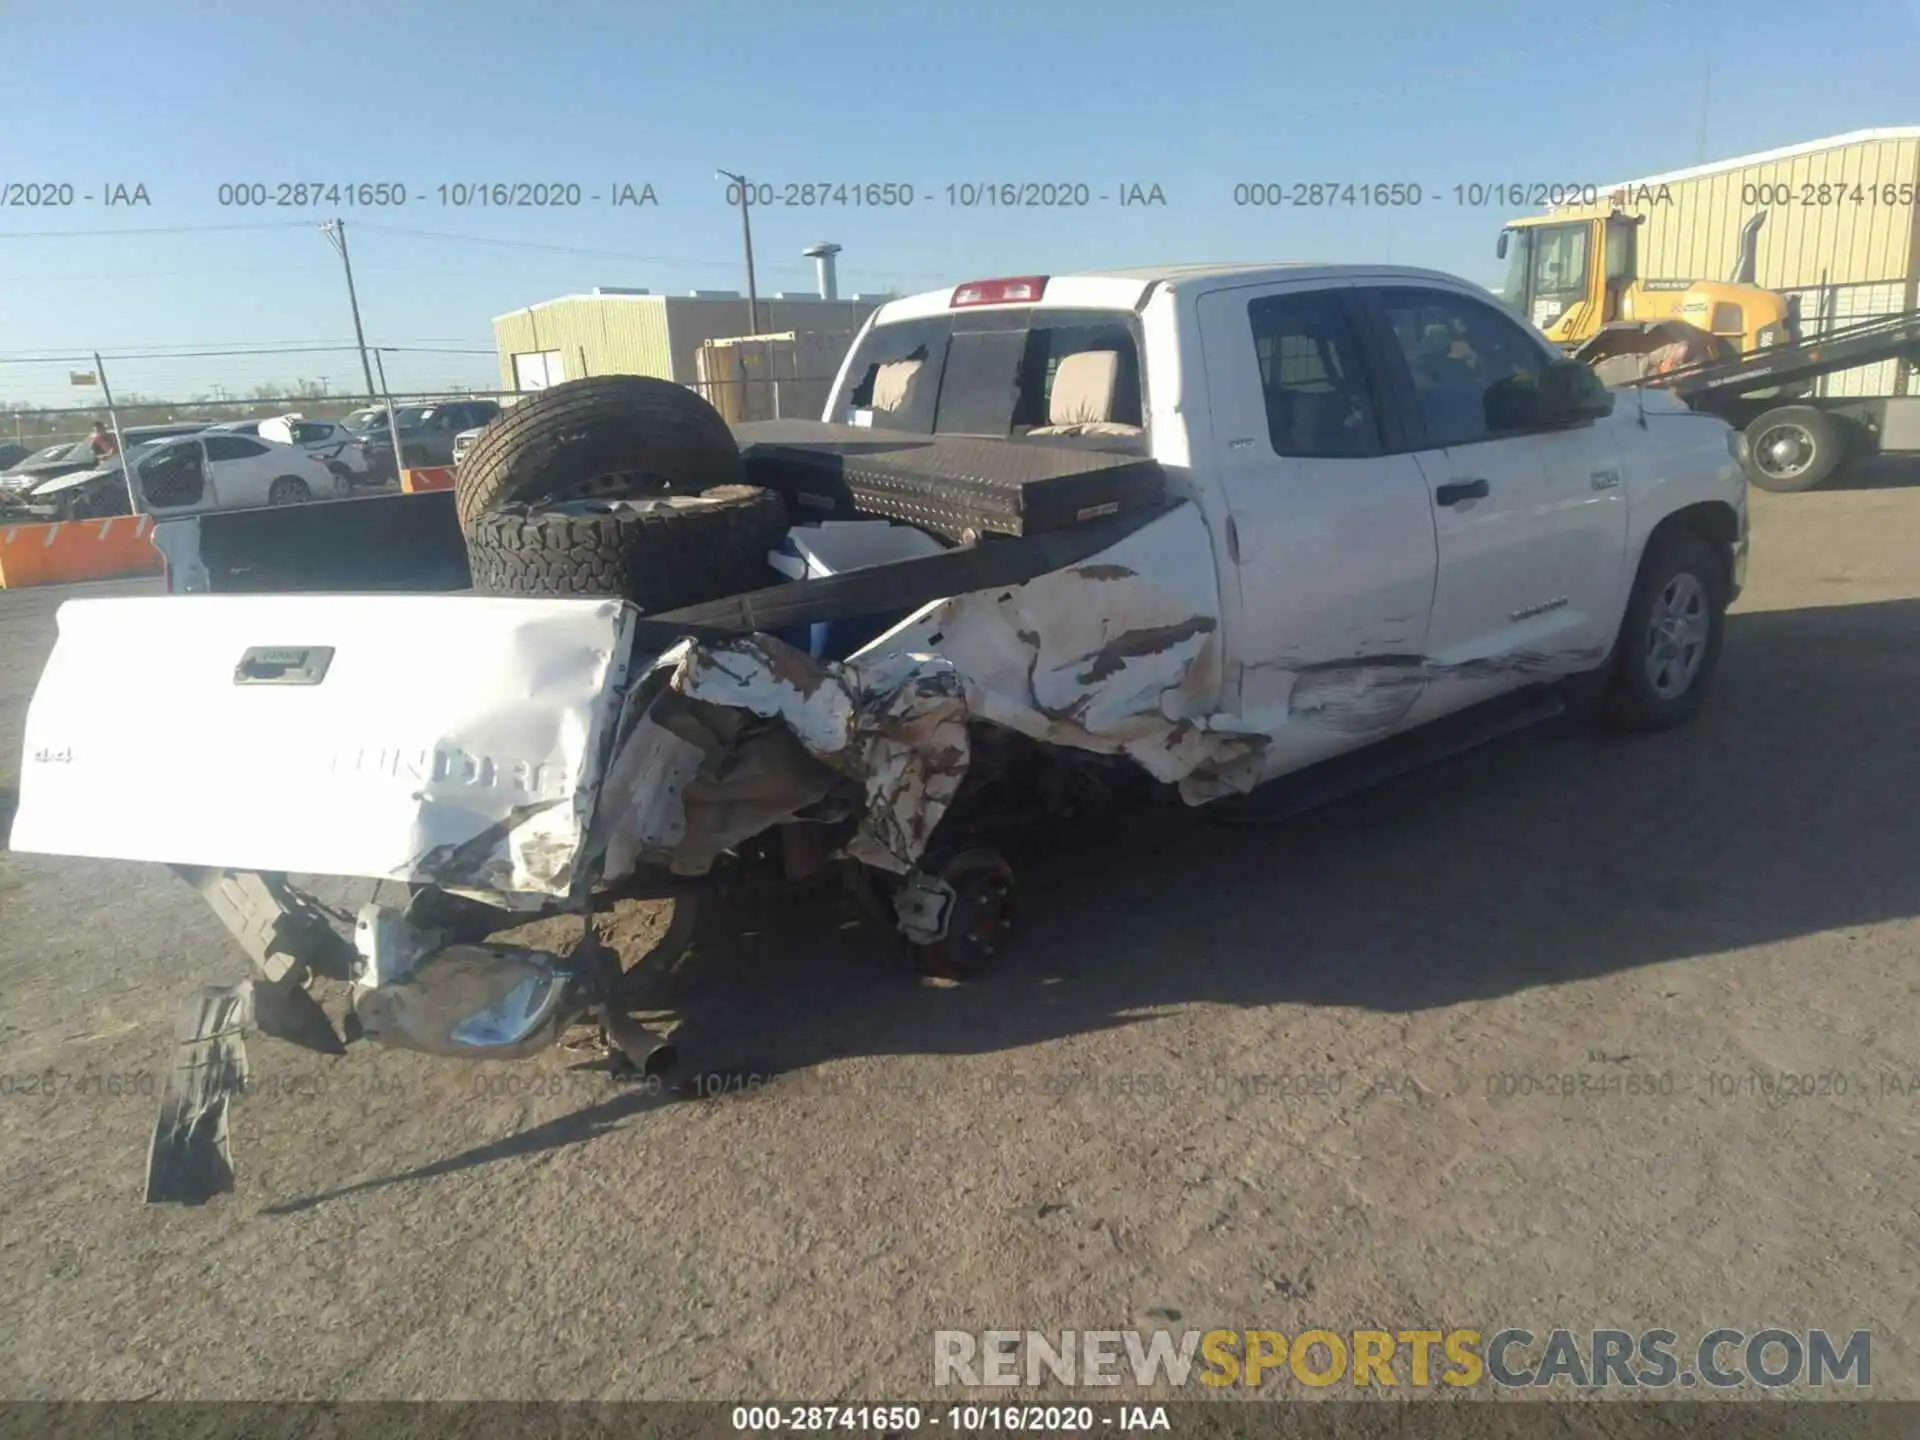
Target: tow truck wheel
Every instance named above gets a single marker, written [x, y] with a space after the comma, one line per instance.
[985, 906]
[1794, 448]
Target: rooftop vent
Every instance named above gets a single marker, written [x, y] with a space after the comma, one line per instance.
[619, 290]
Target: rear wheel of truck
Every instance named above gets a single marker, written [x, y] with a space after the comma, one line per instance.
[1669, 642]
[659, 554]
[613, 435]
[1794, 448]
[985, 910]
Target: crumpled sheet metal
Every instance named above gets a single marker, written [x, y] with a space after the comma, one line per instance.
[690, 780]
[1118, 655]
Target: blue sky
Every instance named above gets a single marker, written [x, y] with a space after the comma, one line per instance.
[183, 96]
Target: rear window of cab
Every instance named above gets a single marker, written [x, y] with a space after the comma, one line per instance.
[992, 373]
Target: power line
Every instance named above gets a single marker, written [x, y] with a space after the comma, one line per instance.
[51, 359]
[558, 249]
[153, 230]
[587, 250]
[323, 342]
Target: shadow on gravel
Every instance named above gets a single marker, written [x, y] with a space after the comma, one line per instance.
[1787, 809]
[556, 1134]
[1877, 472]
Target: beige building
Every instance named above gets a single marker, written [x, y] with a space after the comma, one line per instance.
[1842, 232]
[634, 332]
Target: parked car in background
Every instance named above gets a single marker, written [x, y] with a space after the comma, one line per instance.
[187, 473]
[72, 457]
[11, 455]
[364, 422]
[427, 433]
[67, 458]
[343, 452]
[136, 435]
[238, 427]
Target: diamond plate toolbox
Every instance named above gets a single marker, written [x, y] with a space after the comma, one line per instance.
[958, 487]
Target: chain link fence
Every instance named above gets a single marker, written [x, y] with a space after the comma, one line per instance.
[49, 399]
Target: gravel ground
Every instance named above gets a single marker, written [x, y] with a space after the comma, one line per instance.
[1250, 1077]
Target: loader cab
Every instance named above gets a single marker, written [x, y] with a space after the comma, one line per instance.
[1568, 276]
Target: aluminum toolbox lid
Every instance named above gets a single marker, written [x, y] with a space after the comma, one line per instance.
[954, 483]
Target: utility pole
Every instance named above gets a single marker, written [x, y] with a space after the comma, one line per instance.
[336, 233]
[746, 239]
[119, 444]
[393, 424]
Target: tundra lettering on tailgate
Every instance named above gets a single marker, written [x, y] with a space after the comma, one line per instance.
[450, 765]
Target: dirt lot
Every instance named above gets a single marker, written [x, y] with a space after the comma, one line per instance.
[1251, 1077]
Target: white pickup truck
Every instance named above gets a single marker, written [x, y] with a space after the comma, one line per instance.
[1265, 522]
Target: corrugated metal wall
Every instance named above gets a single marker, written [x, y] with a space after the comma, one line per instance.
[652, 334]
[1851, 251]
[1693, 231]
[692, 323]
[1836, 306]
[594, 335]
[780, 377]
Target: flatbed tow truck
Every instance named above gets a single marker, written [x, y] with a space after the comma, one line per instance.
[1795, 439]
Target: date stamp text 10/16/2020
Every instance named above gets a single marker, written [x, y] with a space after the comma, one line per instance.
[809, 194]
[1408, 194]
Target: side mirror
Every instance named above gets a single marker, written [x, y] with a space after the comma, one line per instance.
[1573, 393]
[1500, 246]
[1567, 393]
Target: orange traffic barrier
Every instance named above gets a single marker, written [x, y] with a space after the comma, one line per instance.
[435, 478]
[77, 550]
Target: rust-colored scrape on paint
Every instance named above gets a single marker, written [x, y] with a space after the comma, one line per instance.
[1110, 659]
[782, 662]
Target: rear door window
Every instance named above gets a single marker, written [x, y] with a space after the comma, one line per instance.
[1319, 402]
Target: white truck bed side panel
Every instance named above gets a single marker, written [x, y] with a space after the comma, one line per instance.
[453, 740]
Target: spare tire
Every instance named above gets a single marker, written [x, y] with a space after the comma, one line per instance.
[613, 435]
[659, 553]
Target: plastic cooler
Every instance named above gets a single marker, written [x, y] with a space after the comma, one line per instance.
[833, 547]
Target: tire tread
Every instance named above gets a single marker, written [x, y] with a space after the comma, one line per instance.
[657, 561]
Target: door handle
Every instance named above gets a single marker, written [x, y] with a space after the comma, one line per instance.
[1455, 491]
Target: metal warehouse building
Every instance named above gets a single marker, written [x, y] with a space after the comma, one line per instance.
[635, 332]
[1841, 233]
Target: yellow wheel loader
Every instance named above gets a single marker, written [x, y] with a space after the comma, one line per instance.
[1579, 281]
[1731, 348]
